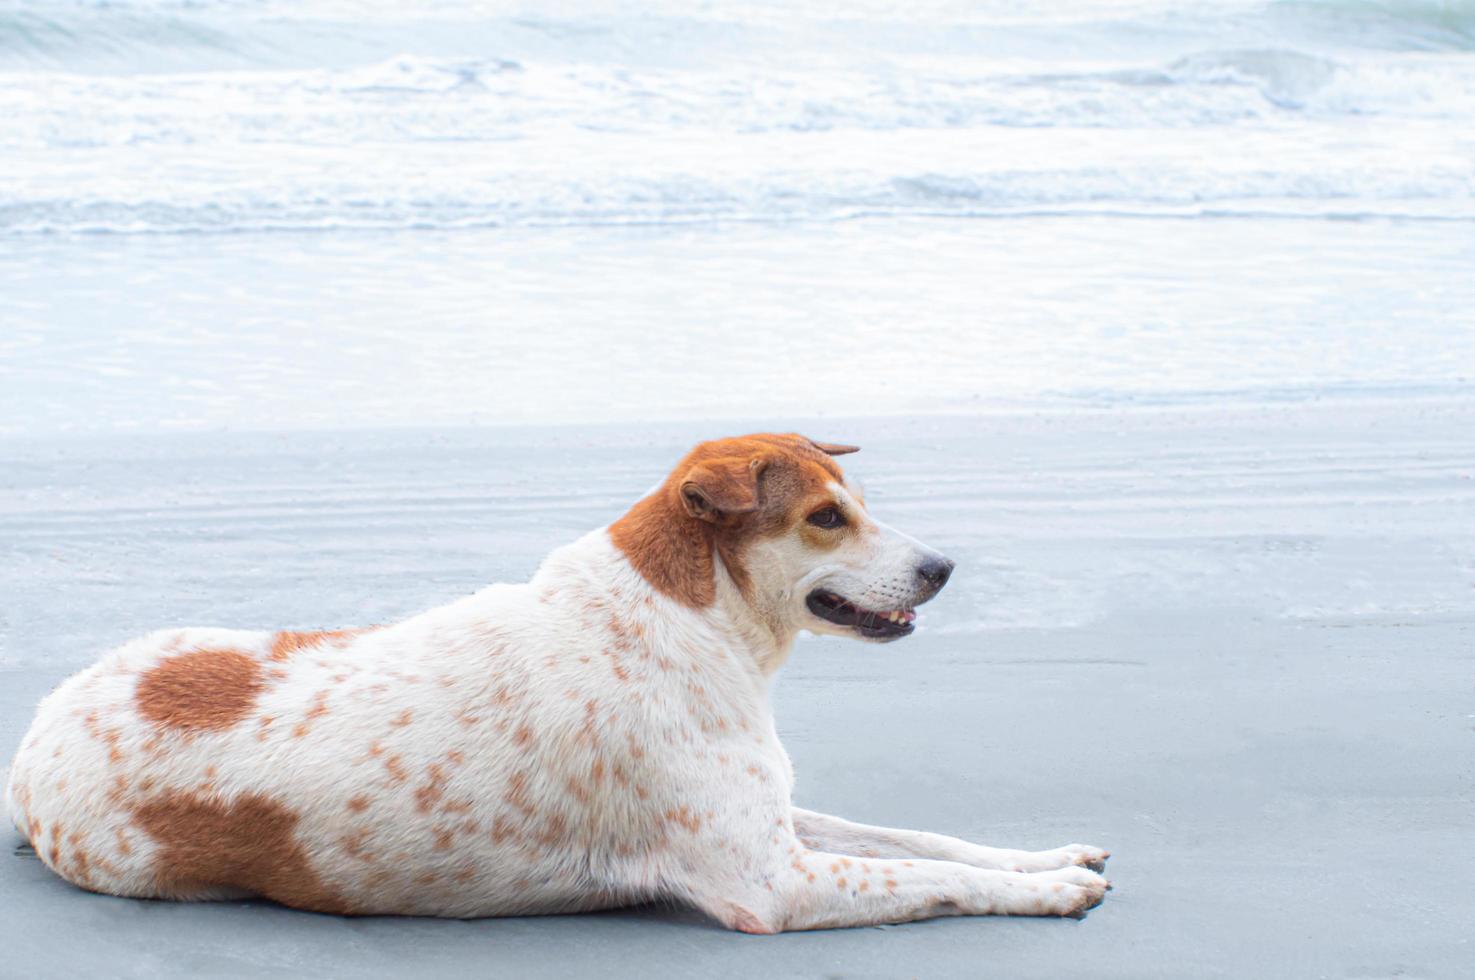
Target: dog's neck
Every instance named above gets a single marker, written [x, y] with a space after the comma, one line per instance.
[767, 638]
[690, 562]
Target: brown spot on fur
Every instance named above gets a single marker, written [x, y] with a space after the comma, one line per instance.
[427, 795]
[316, 710]
[722, 494]
[249, 842]
[288, 642]
[425, 878]
[554, 830]
[353, 845]
[203, 690]
[358, 804]
[621, 673]
[402, 719]
[517, 784]
[443, 838]
[683, 817]
[396, 769]
[502, 830]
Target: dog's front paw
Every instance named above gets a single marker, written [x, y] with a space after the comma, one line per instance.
[1075, 890]
[1083, 856]
[1069, 856]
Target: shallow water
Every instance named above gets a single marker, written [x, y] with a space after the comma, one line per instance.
[812, 320]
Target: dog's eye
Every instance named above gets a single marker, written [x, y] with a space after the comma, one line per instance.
[828, 517]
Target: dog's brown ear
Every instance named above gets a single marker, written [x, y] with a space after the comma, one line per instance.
[834, 448]
[722, 486]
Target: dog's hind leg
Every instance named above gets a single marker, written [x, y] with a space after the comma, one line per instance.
[823, 832]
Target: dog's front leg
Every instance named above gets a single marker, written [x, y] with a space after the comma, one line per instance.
[820, 890]
[823, 832]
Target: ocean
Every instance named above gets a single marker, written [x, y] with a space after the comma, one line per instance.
[254, 214]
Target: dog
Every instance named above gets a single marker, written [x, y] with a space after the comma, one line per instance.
[597, 737]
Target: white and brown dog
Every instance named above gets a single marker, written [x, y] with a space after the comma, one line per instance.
[599, 736]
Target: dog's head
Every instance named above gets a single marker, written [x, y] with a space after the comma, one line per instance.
[791, 533]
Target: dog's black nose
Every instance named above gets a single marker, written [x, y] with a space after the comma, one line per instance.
[935, 571]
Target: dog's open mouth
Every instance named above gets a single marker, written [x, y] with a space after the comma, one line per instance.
[872, 623]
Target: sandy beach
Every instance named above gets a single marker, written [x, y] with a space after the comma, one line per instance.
[1157, 317]
[1232, 645]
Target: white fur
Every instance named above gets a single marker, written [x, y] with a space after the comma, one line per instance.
[581, 741]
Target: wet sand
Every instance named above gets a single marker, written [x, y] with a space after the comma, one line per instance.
[1232, 644]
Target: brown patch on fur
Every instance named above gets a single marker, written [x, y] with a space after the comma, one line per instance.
[358, 804]
[502, 830]
[683, 817]
[249, 842]
[396, 769]
[203, 690]
[427, 796]
[554, 831]
[353, 845]
[316, 710]
[750, 486]
[516, 795]
[288, 642]
[402, 719]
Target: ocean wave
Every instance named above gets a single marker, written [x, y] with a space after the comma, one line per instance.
[692, 199]
[1398, 25]
[170, 35]
[148, 116]
[409, 98]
